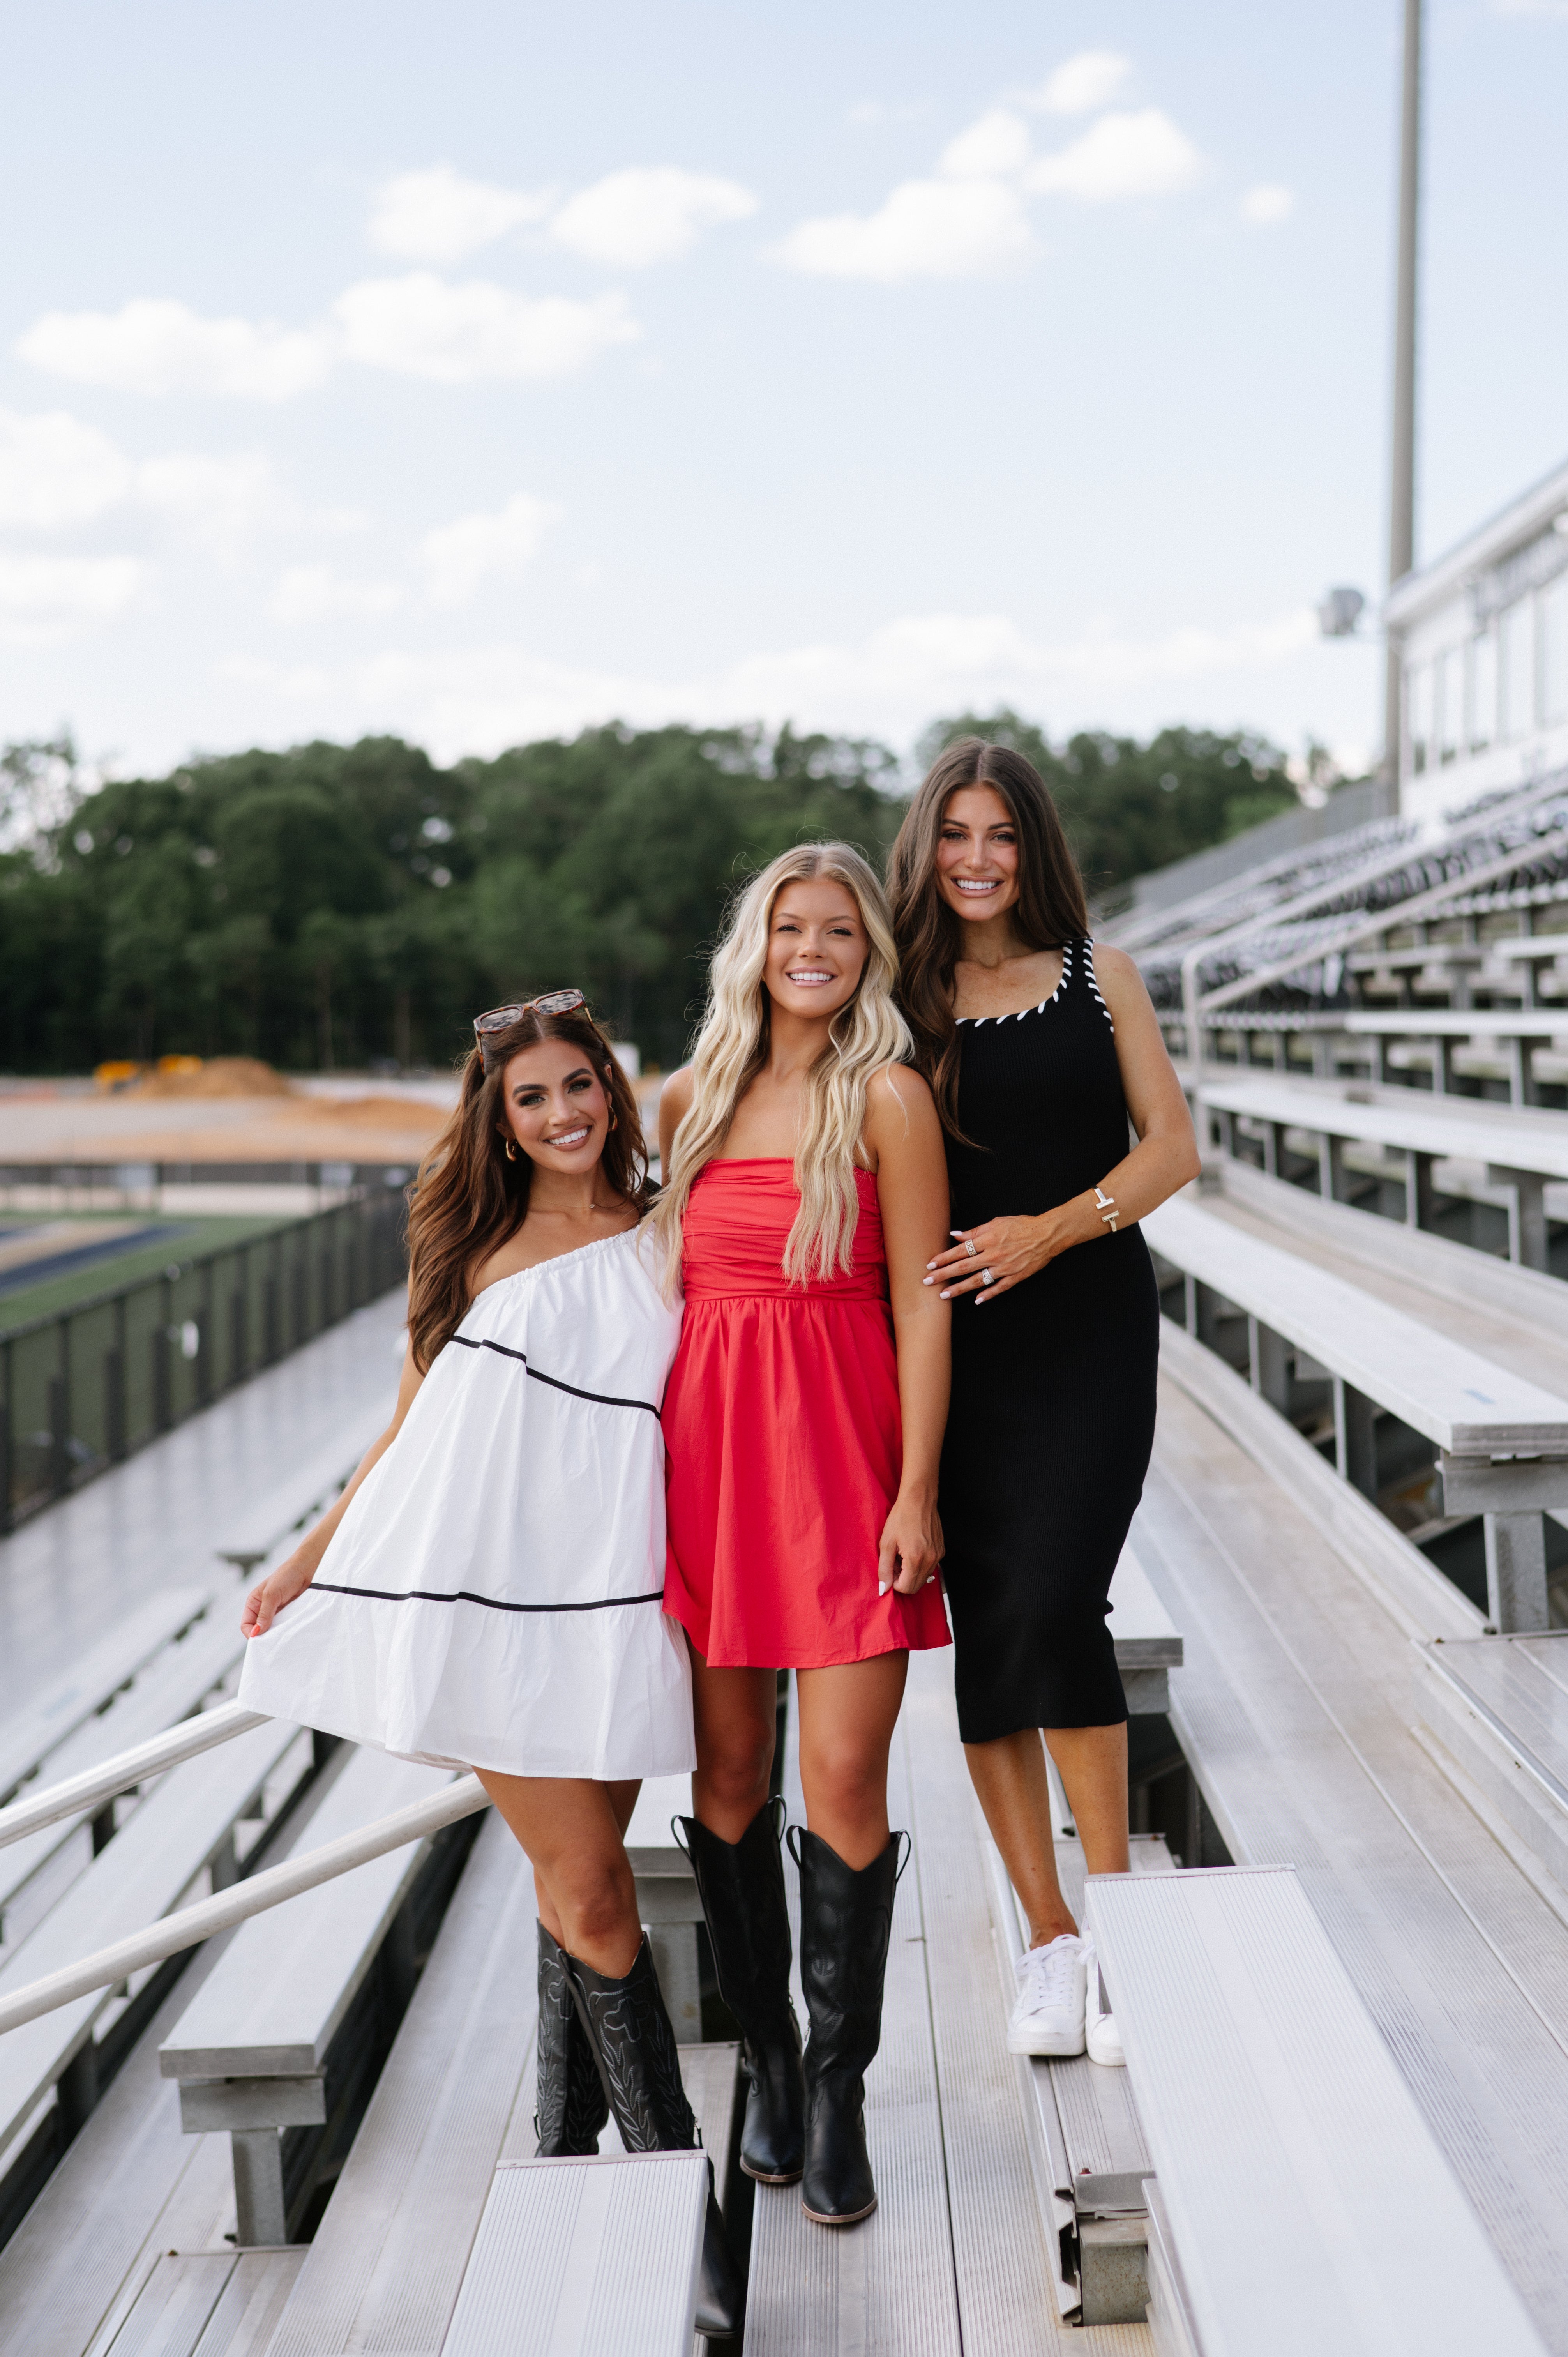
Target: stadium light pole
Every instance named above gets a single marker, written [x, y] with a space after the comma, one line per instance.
[1401, 488]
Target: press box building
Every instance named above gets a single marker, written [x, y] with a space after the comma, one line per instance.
[1483, 635]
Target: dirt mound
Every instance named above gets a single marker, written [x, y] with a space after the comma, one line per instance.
[416, 1115]
[218, 1076]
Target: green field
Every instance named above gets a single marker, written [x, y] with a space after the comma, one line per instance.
[179, 1239]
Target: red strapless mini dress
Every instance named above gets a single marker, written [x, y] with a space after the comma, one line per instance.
[784, 1448]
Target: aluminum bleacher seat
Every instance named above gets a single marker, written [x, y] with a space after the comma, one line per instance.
[1501, 1438]
[1303, 2205]
[581, 2258]
[251, 2053]
[1299, 1602]
[1517, 1152]
[80, 1691]
[172, 1685]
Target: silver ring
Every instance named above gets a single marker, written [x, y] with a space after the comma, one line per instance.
[971, 1248]
[986, 1277]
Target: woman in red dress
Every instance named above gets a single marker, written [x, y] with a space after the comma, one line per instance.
[806, 1191]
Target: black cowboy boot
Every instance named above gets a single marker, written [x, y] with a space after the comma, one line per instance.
[569, 2107]
[635, 2047]
[741, 1885]
[846, 1917]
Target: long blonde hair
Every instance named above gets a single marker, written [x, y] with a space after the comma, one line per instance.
[867, 1034]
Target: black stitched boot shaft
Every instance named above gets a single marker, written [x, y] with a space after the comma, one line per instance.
[741, 1885]
[634, 2046]
[569, 2108]
[847, 1918]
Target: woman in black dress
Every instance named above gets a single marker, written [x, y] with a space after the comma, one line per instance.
[1040, 1051]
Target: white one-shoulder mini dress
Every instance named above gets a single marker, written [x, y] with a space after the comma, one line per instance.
[494, 1597]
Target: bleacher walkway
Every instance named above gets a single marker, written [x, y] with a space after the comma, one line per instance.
[202, 1490]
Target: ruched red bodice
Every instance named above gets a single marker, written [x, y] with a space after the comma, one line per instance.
[781, 1422]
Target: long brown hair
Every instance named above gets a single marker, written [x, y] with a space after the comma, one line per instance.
[469, 1197]
[1049, 912]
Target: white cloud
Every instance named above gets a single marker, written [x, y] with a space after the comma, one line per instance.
[48, 597]
[55, 471]
[1267, 203]
[1141, 155]
[463, 555]
[420, 326]
[439, 216]
[990, 149]
[162, 346]
[315, 593]
[1089, 80]
[216, 500]
[634, 218]
[919, 663]
[926, 229]
[480, 699]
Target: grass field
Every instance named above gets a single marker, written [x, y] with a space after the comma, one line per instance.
[176, 1238]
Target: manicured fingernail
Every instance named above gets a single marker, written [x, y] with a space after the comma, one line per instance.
[955, 1232]
[927, 1280]
[944, 1297]
[883, 1585]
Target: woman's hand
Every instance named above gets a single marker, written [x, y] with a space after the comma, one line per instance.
[1005, 1253]
[269, 1596]
[911, 1545]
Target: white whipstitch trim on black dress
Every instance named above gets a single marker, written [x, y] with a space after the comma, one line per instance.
[1094, 985]
[974, 1021]
[492, 1603]
[599, 1399]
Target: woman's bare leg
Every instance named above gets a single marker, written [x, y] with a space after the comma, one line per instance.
[572, 1831]
[1009, 1777]
[1092, 1764]
[1009, 1780]
[847, 1716]
[736, 1718]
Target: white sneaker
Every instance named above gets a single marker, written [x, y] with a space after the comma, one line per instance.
[1102, 2040]
[1048, 2015]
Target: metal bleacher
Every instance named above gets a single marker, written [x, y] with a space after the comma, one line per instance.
[1340, 1963]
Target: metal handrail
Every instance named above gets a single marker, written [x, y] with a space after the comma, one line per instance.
[94, 1786]
[252, 1897]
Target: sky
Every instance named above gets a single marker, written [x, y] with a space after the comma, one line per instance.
[483, 372]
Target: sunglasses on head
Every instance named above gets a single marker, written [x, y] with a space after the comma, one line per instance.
[501, 1018]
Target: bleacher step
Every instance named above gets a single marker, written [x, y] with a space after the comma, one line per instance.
[1499, 1706]
[1097, 2155]
[207, 2304]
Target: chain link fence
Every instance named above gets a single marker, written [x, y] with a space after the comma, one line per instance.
[81, 1387]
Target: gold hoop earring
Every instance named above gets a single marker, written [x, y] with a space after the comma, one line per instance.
[510, 1149]
[615, 1118]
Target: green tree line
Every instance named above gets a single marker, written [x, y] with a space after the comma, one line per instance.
[332, 905]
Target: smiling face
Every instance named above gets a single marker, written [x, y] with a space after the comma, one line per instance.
[977, 855]
[817, 948]
[556, 1106]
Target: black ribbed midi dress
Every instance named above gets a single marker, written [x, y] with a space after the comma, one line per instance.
[1053, 1383]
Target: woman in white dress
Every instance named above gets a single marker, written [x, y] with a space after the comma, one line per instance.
[488, 1592]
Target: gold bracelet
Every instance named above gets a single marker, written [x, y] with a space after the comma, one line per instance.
[1109, 1214]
